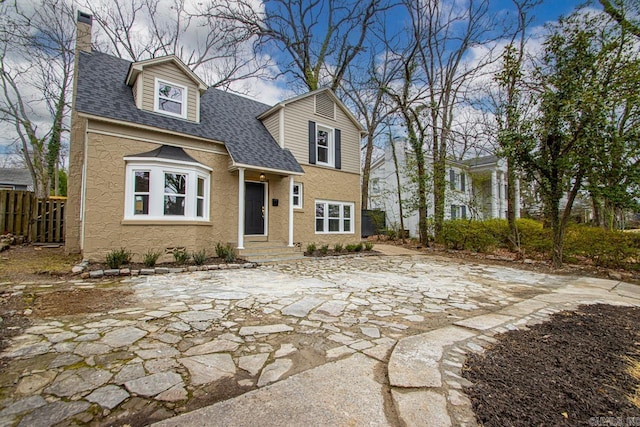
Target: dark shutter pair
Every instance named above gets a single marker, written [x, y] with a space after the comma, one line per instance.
[452, 180]
[336, 142]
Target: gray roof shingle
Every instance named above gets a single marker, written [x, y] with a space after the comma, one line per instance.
[224, 117]
[15, 176]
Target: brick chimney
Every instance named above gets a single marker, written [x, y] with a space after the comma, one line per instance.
[83, 34]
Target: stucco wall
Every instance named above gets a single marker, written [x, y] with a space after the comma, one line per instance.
[74, 184]
[323, 184]
[104, 227]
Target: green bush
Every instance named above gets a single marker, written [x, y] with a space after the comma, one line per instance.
[337, 247]
[358, 247]
[533, 238]
[391, 233]
[605, 248]
[368, 246]
[477, 236]
[226, 252]
[199, 257]
[324, 249]
[151, 257]
[350, 247]
[311, 248]
[180, 256]
[118, 257]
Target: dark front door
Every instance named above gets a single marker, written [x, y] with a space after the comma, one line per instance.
[254, 208]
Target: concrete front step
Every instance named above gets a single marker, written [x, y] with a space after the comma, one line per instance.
[269, 252]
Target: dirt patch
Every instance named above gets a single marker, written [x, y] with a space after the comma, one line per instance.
[29, 263]
[564, 372]
[81, 301]
[12, 320]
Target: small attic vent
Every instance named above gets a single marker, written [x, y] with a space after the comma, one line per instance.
[325, 105]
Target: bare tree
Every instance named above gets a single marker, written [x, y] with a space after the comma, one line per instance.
[320, 38]
[510, 107]
[445, 34]
[36, 61]
[365, 89]
[408, 93]
[221, 52]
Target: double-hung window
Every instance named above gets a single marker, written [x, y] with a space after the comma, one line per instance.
[324, 145]
[296, 196]
[170, 98]
[334, 217]
[166, 190]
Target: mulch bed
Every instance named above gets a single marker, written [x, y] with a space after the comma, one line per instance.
[569, 371]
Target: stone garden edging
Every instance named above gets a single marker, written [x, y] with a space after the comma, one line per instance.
[127, 272]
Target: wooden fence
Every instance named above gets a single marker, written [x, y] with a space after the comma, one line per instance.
[39, 220]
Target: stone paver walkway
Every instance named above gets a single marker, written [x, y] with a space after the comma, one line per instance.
[350, 341]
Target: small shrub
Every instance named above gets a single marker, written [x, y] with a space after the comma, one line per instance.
[180, 256]
[118, 257]
[226, 252]
[199, 257]
[230, 254]
[151, 257]
[311, 248]
[337, 248]
[324, 249]
[358, 247]
[391, 233]
[350, 247]
[368, 246]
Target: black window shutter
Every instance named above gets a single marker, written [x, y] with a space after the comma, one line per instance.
[462, 182]
[338, 144]
[452, 179]
[312, 142]
[464, 211]
[453, 211]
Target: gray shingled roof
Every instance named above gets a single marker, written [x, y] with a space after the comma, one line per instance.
[168, 152]
[224, 116]
[481, 161]
[14, 176]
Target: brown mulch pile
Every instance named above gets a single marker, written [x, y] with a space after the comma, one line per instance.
[81, 301]
[564, 372]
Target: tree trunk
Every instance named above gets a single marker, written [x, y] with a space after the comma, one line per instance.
[366, 171]
[514, 241]
[395, 163]
[439, 190]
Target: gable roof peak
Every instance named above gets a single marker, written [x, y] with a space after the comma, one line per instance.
[136, 68]
[327, 90]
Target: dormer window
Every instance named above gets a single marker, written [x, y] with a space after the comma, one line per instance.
[170, 98]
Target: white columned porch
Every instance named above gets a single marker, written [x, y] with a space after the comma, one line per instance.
[494, 194]
[503, 197]
[290, 244]
[240, 208]
[516, 183]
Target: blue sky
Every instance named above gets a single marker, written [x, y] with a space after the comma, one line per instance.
[547, 10]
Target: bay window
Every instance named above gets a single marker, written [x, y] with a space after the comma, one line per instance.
[168, 191]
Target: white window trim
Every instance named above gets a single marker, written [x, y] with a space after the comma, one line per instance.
[331, 147]
[157, 169]
[183, 101]
[342, 218]
[300, 203]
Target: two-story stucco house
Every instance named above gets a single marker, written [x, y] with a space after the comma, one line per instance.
[159, 161]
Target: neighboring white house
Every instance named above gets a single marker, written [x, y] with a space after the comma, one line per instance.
[477, 188]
